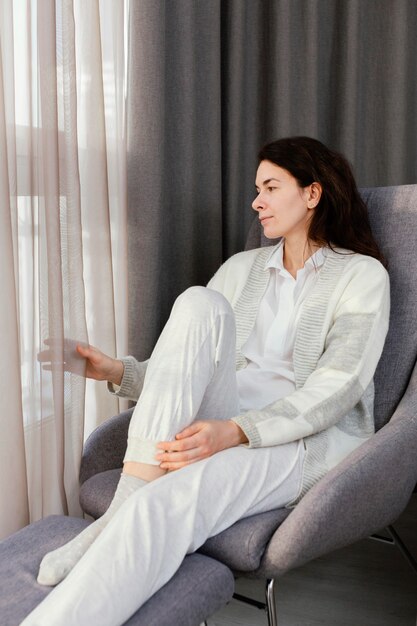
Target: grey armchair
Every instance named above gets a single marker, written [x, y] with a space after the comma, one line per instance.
[364, 493]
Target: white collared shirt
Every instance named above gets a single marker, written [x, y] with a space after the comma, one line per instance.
[269, 348]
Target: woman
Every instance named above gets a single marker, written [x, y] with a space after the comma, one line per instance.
[258, 385]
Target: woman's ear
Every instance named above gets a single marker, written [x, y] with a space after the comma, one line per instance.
[314, 195]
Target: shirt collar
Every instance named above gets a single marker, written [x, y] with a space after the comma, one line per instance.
[276, 258]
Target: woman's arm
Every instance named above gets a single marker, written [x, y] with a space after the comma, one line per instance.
[131, 382]
[124, 376]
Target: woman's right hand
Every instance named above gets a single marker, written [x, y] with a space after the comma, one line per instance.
[82, 360]
[100, 366]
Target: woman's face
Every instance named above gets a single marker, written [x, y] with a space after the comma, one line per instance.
[284, 208]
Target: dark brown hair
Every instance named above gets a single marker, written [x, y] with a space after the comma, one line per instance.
[340, 218]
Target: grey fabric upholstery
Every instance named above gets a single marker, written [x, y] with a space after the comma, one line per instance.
[20, 555]
[199, 588]
[97, 492]
[372, 486]
[242, 545]
[393, 216]
[106, 446]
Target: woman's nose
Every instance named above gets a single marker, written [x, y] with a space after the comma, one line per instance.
[257, 204]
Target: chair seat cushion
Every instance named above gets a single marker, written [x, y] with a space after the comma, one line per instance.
[200, 587]
[240, 547]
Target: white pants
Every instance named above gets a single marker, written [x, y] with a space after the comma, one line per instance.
[191, 375]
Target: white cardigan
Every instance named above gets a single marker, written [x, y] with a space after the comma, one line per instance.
[339, 341]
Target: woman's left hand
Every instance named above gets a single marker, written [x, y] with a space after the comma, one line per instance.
[198, 441]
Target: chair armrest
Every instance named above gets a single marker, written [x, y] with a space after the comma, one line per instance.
[106, 446]
[364, 493]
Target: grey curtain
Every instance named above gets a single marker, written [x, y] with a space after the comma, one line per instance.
[210, 81]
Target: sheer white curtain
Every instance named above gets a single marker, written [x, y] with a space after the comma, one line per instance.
[62, 239]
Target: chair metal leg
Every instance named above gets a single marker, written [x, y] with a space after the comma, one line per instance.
[270, 602]
[402, 547]
[395, 540]
[251, 601]
[268, 606]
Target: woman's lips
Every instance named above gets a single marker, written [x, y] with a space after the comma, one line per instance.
[264, 219]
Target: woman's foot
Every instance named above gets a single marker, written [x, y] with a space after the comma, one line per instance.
[57, 564]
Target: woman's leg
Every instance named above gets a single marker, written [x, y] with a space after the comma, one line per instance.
[192, 366]
[191, 374]
[144, 544]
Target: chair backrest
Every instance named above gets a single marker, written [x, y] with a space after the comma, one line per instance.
[393, 217]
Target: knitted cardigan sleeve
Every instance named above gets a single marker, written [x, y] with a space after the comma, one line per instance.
[352, 345]
[132, 381]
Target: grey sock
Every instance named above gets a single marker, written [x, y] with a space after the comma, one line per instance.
[57, 564]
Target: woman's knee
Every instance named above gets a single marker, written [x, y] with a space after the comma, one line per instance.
[202, 299]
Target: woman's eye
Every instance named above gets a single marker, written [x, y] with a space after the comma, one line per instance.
[271, 188]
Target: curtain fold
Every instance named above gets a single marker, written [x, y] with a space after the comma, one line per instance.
[174, 157]
[63, 236]
[61, 297]
[94, 154]
[13, 486]
[209, 83]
